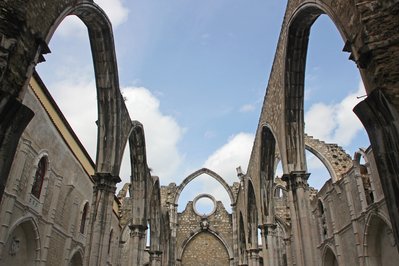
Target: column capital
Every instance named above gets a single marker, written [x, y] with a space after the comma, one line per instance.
[105, 181]
[296, 179]
[137, 230]
[155, 255]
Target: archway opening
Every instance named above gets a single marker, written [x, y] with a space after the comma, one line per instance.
[319, 173]
[333, 87]
[69, 75]
[381, 247]
[204, 184]
[22, 245]
[329, 258]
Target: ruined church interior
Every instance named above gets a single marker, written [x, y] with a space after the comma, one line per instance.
[58, 207]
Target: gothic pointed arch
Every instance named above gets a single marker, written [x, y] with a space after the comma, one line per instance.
[197, 173]
[197, 237]
[329, 258]
[294, 79]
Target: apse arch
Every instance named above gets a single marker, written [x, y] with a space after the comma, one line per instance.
[298, 31]
[197, 173]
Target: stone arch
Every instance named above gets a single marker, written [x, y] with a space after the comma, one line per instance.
[378, 242]
[329, 258]
[23, 243]
[298, 31]
[197, 173]
[27, 31]
[267, 169]
[140, 175]
[333, 157]
[113, 118]
[252, 216]
[215, 235]
[76, 258]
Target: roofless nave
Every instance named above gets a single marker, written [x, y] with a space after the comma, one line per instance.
[59, 207]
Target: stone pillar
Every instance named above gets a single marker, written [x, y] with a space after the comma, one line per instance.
[253, 257]
[155, 258]
[381, 121]
[100, 218]
[235, 233]
[268, 248]
[288, 250]
[298, 197]
[173, 233]
[136, 244]
[14, 117]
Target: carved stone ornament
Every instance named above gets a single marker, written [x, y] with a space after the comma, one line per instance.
[14, 247]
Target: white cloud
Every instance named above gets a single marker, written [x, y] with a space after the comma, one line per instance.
[77, 98]
[72, 26]
[247, 108]
[162, 134]
[335, 122]
[115, 10]
[234, 153]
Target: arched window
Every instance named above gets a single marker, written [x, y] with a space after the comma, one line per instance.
[84, 216]
[39, 177]
[323, 222]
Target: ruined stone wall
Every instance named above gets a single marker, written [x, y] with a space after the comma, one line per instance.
[346, 215]
[189, 224]
[67, 187]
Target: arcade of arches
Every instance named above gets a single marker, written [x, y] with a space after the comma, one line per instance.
[58, 207]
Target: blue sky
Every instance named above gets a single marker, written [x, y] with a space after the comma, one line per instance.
[194, 73]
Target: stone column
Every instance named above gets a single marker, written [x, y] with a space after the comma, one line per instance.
[253, 257]
[298, 197]
[155, 258]
[100, 218]
[136, 244]
[268, 248]
[288, 251]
